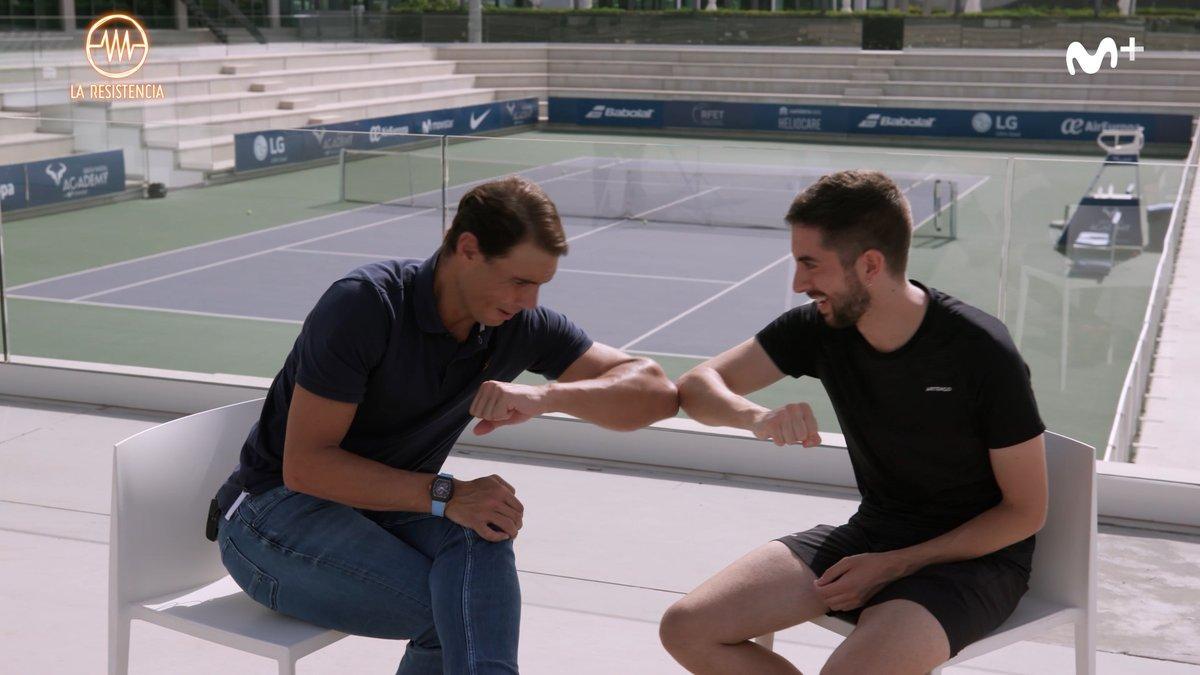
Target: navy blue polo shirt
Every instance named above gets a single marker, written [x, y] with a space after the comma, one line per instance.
[375, 338]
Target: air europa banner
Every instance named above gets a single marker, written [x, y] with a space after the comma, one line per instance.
[1039, 125]
[64, 179]
[263, 149]
[12, 187]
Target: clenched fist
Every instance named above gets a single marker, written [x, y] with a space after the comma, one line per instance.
[499, 403]
[487, 505]
[793, 423]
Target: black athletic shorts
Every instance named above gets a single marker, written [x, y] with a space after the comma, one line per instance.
[969, 598]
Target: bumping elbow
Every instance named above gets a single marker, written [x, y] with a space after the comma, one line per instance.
[1039, 520]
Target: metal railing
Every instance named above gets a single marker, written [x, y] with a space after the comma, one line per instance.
[1126, 422]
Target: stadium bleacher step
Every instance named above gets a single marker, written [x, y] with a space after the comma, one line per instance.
[325, 119]
[295, 103]
[12, 123]
[865, 92]
[30, 147]
[869, 75]
[239, 68]
[267, 85]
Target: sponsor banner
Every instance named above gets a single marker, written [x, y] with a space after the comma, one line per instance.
[1038, 125]
[263, 149]
[708, 115]
[51, 181]
[607, 112]
[12, 187]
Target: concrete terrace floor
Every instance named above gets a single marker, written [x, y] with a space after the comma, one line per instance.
[605, 550]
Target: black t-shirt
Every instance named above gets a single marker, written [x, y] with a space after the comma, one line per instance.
[375, 338]
[919, 421]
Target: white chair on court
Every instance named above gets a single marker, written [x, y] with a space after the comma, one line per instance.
[162, 569]
[1062, 588]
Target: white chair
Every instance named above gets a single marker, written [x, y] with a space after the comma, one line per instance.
[161, 567]
[1062, 587]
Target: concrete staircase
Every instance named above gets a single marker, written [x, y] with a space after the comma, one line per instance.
[1000, 79]
[213, 93]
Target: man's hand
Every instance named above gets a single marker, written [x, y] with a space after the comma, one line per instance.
[791, 424]
[499, 403]
[487, 505]
[852, 581]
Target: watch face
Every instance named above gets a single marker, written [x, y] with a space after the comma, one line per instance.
[441, 489]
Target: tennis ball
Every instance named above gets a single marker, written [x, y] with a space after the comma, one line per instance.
[248, 212]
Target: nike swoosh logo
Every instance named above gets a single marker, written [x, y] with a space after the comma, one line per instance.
[476, 121]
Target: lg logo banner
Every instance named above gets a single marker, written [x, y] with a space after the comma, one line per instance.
[1078, 55]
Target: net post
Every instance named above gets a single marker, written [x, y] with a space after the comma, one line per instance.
[953, 209]
[342, 175]
[937, 205]
[3, 295]
[1002, 291]
[445, 180]
[412, 182]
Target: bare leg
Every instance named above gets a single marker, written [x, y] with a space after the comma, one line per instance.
[709, 630]
[897, 637]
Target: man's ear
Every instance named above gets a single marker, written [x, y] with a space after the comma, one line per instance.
[871, 264]
[467, 246]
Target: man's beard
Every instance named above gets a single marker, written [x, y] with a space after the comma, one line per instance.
[847, 308]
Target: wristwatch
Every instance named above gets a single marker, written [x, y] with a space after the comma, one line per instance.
[442, 491]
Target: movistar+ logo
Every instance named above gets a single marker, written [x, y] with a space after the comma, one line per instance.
[1078, 55]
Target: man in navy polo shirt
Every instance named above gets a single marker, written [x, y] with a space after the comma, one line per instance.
[337, 514]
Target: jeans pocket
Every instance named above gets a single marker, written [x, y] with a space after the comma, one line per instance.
[259, 585]
[258, 506]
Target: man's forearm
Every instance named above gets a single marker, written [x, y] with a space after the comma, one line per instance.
[346, 478]
[626, 397]
[704, 396]
[990, 531]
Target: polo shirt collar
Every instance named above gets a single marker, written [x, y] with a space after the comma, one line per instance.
[428, 318]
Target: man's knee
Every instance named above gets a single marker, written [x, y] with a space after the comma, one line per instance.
[682, 625]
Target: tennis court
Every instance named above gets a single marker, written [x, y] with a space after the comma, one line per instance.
[676, 251]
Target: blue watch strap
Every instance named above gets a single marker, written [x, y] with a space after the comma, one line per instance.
[439, 507]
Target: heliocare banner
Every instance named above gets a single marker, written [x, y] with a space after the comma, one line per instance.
[63, 179]
[264, 149]
[778, 117]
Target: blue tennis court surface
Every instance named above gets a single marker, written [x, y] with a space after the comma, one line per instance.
[665, 261]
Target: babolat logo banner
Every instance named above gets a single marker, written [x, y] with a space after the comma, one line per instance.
[12, 187]
[75, 177]
[1039, 125]
[904, 122]
[264, 149]
[607, 112]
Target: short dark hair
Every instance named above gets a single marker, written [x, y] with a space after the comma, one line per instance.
[856, 211]
[502, 214]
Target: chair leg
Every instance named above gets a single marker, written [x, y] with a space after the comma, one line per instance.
[287, 666]
[118, 644]
[1085, 647]
[767, 641]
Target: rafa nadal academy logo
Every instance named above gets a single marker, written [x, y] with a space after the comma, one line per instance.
[116, 46]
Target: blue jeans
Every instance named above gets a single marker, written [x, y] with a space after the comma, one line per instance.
[413, 576]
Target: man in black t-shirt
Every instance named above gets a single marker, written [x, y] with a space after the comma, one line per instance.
[943, 434]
